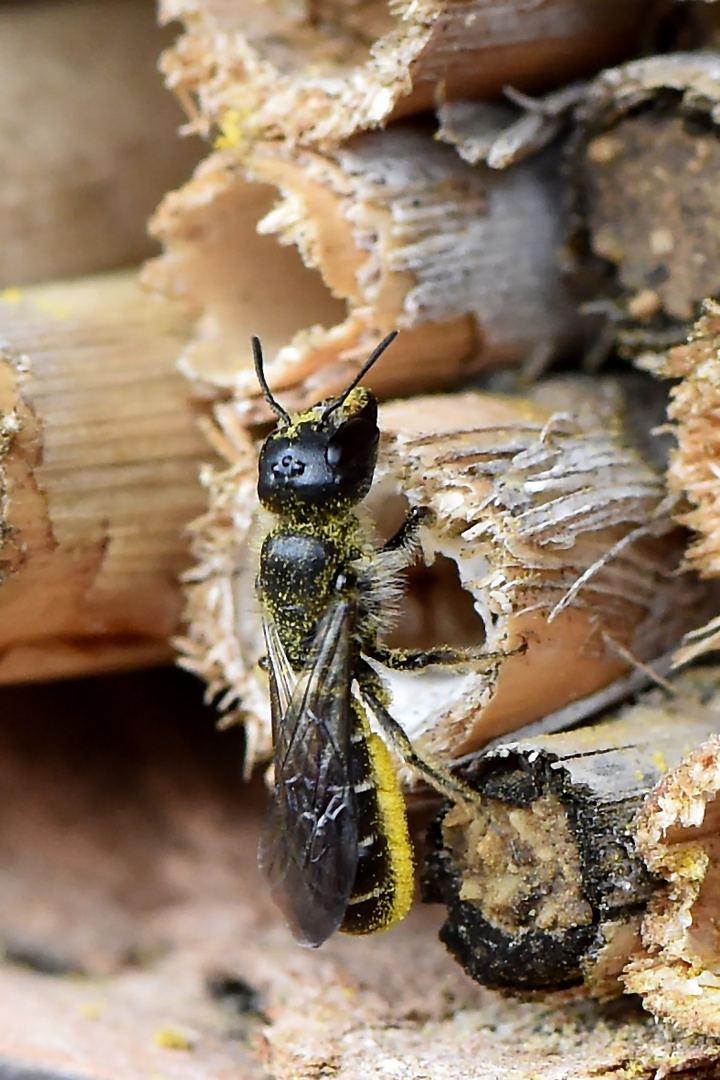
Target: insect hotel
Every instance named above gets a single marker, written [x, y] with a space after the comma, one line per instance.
[360, 499]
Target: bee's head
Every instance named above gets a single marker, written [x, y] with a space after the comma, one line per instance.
[324, 455]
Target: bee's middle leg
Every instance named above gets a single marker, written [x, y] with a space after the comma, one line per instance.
[441, 655]
[375, 694]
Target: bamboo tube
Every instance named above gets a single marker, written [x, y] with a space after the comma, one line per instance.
[100, 456]
[550, 532]
[545, 885]
[403, 234]
[326, 71]
[88, 137]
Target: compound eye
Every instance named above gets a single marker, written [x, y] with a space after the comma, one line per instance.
[354, 439]
[333, 454]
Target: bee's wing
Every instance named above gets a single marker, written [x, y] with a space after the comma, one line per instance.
[309, 846]
[282, 685]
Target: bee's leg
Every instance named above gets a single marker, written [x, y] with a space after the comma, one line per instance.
[376, 696]
[447, 655]
[405, 538]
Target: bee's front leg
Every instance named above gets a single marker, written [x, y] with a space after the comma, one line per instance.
[406, 538]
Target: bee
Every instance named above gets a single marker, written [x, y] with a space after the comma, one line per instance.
[335, 848]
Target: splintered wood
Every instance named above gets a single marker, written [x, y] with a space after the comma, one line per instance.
[551, 533]
[322, 71]
[392, 229]
[365, 175]
[555, 531]
[678, 836]
[398, 230]
[695, 464]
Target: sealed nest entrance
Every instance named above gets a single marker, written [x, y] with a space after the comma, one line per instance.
[661, 235]
[646, 156]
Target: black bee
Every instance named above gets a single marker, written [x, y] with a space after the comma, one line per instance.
[336, 848]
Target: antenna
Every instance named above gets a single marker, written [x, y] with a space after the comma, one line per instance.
[266, 391]
[375, 355]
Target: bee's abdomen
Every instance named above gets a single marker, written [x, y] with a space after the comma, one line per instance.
[384, 880]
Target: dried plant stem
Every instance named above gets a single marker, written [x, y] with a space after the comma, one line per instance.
[544, 884]
[401, 232]
[529, 494]
[99, 459]
[678, 835]
[320, 72]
